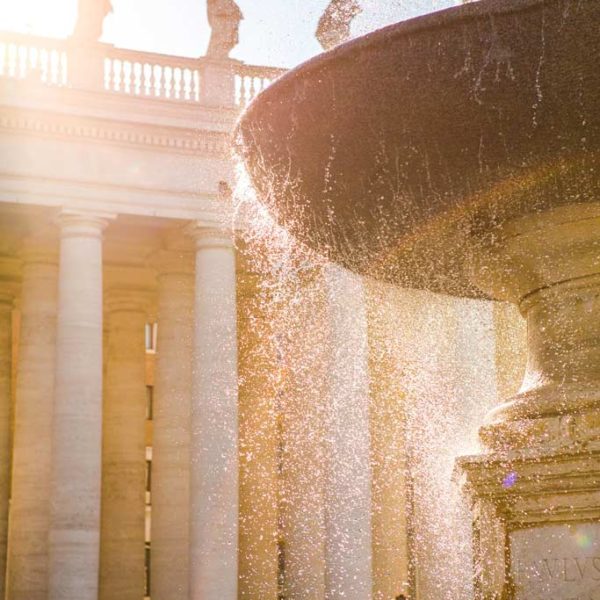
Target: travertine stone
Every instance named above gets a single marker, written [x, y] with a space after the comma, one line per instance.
[259, 442]
[544, 464]
[550, 266]
[74, 536]
[5, 390]
[556, 562]
[27, 573]
[301, 336]
[348, 556]
[391, 484]
[123, 442]
[214, 420]
[171, 428]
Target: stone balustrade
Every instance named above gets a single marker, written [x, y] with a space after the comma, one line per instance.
[122, 71]
[33, 58]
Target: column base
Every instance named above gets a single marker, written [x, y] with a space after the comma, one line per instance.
[536, 522]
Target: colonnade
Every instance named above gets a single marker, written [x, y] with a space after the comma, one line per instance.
[295, 514]
[76, 528]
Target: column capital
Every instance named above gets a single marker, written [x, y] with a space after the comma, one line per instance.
[210, 234]
[82, 223]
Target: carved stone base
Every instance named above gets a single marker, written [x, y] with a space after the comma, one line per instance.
[536, 523]
[536, 495]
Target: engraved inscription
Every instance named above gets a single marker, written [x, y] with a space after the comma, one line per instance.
[556, 562]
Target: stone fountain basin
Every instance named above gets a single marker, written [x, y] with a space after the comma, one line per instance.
[394, 153]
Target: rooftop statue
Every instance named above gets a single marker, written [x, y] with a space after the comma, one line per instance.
[334, 25]
[224, 17]
[90, 19]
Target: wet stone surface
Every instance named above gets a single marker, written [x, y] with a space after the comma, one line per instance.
[557, 562]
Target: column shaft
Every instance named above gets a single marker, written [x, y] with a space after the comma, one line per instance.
[214, 448]
[171, 431]
[27, 573]
[77, 432]
[302, 337]
[123, 450]
[258, 444]
[348, 554]
[5, 388]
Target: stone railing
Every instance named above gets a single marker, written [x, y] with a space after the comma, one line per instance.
[121, 71]
[153, 75]
[33, 58]
[251, 80]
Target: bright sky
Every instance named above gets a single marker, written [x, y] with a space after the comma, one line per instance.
[274, 32]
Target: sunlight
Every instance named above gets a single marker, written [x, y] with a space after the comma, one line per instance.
[53, 19]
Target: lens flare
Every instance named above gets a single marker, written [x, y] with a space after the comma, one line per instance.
[583, 539]
[510, 480]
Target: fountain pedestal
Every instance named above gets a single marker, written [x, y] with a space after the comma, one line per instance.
[536, 493]
[471, 133]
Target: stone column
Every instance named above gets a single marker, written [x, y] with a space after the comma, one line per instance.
[6, 301]
[259, 438]
[390, 489]
[347, 441]
[302, 340]
[74, 536]
[214, 421]
[123, 440]
[27, 572]
[171, 429]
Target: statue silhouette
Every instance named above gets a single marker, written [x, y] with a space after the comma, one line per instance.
[90, 19]
[224, 17]
[334, 24]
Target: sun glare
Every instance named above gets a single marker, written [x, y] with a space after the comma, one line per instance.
[39, 17]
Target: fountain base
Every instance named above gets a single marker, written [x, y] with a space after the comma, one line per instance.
[536, 495]
[536, 523]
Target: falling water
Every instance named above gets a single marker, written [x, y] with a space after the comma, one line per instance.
[430, 380]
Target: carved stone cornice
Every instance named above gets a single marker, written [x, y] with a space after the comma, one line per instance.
[169, 139]
[525, 490]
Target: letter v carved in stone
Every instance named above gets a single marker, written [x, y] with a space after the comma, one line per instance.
[549, 570]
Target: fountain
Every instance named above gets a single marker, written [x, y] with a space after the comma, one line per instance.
[459, 153]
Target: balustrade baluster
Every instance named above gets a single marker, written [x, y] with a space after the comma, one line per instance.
[44, 65]
[136, 78]
[126, 76]
[64, 75]
[242, 91]
[168, 82]
[147, 78]
[177, 74]
[158, 81]
[248, 88]
[237, 90]
[107, 71]
[187, 76]
[22, 62]
[3, 58]
[31, 63]
[118, 67]
[197, 85]
[54, 67]
[10, 60]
